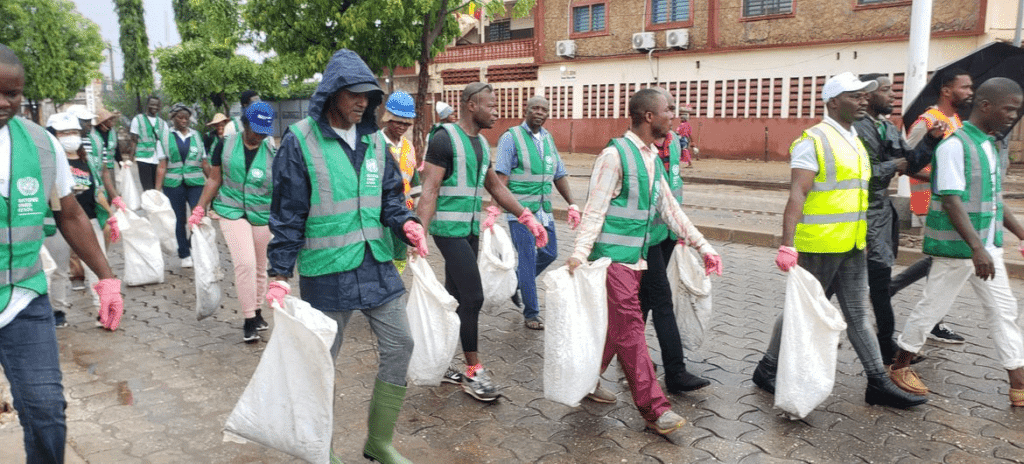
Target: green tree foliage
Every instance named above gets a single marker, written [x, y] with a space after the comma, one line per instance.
[60, 49]
[138, 66]
[303, 34]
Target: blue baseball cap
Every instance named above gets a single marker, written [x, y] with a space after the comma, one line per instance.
[261, 117]
[401, 104]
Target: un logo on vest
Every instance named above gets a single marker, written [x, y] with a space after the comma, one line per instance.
[371, 165]
[193, 149]
[28, 186]
[257, 173]
[675, 170]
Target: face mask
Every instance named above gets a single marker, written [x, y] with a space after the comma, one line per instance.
[70, 142]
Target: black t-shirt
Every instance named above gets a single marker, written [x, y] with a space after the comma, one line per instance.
[218, 152]
[209, 139]
[84, 187]
[440, 152]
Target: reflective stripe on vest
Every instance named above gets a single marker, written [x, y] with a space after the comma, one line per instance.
[344, 216]
[659, 230]
[245, 192]
[460, 196]
[835, 211]
[982, 200]
[189, 170]
[149, 136]
[530, 181]
[624, 235]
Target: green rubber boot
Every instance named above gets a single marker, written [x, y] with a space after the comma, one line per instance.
[384, 407]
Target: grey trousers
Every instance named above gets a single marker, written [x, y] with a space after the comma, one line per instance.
[394, 343]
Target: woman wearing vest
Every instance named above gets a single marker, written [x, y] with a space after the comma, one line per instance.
[149, 135]
[104, 136]
[180, 175]
[964, 234]
[240, 188]
[399, 114]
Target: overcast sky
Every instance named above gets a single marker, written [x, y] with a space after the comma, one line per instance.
[159, 26]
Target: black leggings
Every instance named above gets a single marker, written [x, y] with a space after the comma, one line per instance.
[462, 280]
[147, 175]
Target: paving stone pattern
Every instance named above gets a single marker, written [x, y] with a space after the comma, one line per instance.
[159, 390]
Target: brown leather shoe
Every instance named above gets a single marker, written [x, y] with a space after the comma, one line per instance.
[667, 423]
[907, 380]
[601, 395]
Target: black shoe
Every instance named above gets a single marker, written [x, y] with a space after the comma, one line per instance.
[517, 299]
[249, 331]
[685, 382]
[764, 375]
[60, 319]
[881, 391]
[942, 333]
[260, 323]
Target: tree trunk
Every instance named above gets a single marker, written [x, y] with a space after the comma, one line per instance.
[432, 24]
[33, 107]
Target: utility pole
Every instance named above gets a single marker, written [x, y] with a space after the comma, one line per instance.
[917, 63]
[1020, 20]
[110, 49]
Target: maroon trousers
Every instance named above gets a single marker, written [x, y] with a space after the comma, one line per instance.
[626, 340]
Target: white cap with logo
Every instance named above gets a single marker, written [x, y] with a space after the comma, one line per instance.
[845, 82]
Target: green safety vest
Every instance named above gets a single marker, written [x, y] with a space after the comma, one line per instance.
[530, 181]
[237, 122]
[95, 162]
[835, 211]
[191, 168]
[245, 193]
[339, 226]
[103, 150]
[460, 197]
[22, 213]
[149, 136]
[627, 225]
[659, 230]
[982, 199]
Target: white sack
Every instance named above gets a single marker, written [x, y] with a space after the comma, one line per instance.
[810, 340]
[575, 330]
[289, 402]
[206, 262]
[128, 188]
[691, 296]
[160, 214]
[49, 265]
[497, 261]
[143, 261]
[433, 324]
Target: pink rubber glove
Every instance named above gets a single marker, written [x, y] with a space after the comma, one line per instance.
[786, 258]
[574, 217]
[276, 291]
[115, 232]
[119, 203]
[1020, 248]
[712, 263]
[111, 303]
[414, 232]
[535, 227]
[492, 215]
[197, 215]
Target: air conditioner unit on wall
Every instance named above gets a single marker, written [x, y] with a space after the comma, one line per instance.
[643, 41]
[678, 38]
[566, 48]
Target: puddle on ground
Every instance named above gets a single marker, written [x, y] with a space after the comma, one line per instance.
[124, 394]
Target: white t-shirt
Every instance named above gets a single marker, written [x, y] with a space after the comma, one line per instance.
[21, 297]
[802, 156]
[950, 175]
[348, 135]
[159, 154]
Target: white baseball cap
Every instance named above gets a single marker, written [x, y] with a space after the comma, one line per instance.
[80, 112]
[63, 121]
[845, 82]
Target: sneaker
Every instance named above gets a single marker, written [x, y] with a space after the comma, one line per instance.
[667, 423]
[249, 333]
[260, 323]
[941, 333]
[907, 380]
[60, 319]
[479, 386]
[601, 395]
[186, 262]
[452, 375]
[77, 284]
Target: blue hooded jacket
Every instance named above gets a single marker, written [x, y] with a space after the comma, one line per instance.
[372, 283]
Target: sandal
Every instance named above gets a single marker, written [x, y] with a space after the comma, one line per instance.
[1017, 397]
[534, 323]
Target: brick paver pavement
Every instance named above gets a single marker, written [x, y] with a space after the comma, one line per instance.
[159, 390]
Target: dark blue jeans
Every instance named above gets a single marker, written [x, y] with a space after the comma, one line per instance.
[29, 356]
[178, 196]
[532, 261]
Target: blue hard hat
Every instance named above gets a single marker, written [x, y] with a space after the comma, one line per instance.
[401, 104]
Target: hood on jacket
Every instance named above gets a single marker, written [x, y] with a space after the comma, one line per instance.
[343, 70]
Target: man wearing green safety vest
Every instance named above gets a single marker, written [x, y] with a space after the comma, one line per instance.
[337, 195]
[627, 191]
[180, 174]
[456, 172]
[824, 229]
[964, 234]
[35, 178]
[528, 163]
[148, 134]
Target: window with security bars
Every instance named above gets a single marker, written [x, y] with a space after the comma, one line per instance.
[499, 31]
[766, 7]
[588, 18]
[669, 11]
[879, 2]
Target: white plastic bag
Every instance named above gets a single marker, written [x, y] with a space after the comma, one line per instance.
[208, 272]
[497, 261]
[575, 330]
[160, 214]
[691, 296]
[49, 265]
[289, 402]
[433, 324]
[128, 188]
[810, 341]
[143, 261]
